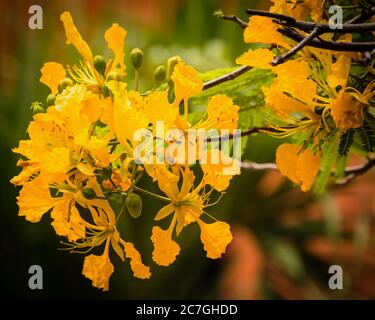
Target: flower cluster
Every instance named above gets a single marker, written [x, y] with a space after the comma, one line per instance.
[79, 158]
[315, 93]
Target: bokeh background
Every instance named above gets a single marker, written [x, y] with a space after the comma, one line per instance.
[284, 240]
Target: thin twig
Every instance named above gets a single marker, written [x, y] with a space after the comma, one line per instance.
[330, 45]
[235, 19]
[250, 165]
[229, 76]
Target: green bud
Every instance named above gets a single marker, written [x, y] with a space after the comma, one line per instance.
[134, 205]
[100, 64]
[136, 58]
[160, 73]
[107, 172]
[114, 75]
[105, 91]
[64, 83]
[89, 193]
[50, 100]
[171, 63]
[37, 107]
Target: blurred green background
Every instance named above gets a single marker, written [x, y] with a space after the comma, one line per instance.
[284, 240]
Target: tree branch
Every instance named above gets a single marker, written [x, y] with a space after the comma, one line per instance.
[229, 76]
[310, 26]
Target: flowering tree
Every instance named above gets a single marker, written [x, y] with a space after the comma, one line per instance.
[95, 140]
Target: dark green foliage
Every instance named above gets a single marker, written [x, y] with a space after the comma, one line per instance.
[346, 140]
[366, 136]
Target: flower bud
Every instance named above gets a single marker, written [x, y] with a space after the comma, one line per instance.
[114, 75]
[36, 107]
[50, 100]
[100, 64]
[105, 91]
[171, 63]
[136, 58]
[160, 73]
[64, 83]
[88, 193]
[134, 205]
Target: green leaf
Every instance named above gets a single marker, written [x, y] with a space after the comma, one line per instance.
[327, 162]
[366, 136]
[346, 141]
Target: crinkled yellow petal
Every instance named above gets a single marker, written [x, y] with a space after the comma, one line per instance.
[186, 81]
[115, 38]
[28, 169]
[67, 221]
[264, 30]
[258, 58]
[222, 113]
[98, 269]
[73, 37]
[35, 199]
[52, 74]
[215, 237]
[139, 269]
[286, 160]
[158, 108]
[165, 249]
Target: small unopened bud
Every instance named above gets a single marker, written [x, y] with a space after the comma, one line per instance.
[105, 91]
[50, 100]
[36, 107]
[64, 83]
[134, 205]
[88, 193]
[114, 75]
[136, 58]
[160, 73]
[171, 63]
[100, 64]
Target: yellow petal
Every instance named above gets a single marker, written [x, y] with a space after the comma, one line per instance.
[73, 37]
[165, 249]
[98, 269]
[139, 269]
[35, 199]
[67, 221]
[158, 108]
[258, 58]
[307, 168]
[52, 74]
[115, 38]
[286, 159]
[215, 238]
[222, 113]
[164, 212]
[264, 30]
[339, 72]
[186, 81]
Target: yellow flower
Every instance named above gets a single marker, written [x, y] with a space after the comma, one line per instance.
[187, 204]
[52, 74]
[139, 269]
[300, 167]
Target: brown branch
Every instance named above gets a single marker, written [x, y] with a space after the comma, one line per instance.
[353, 172]
[250, 165]
[233, 18]
[310, 26]
[229, 76]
